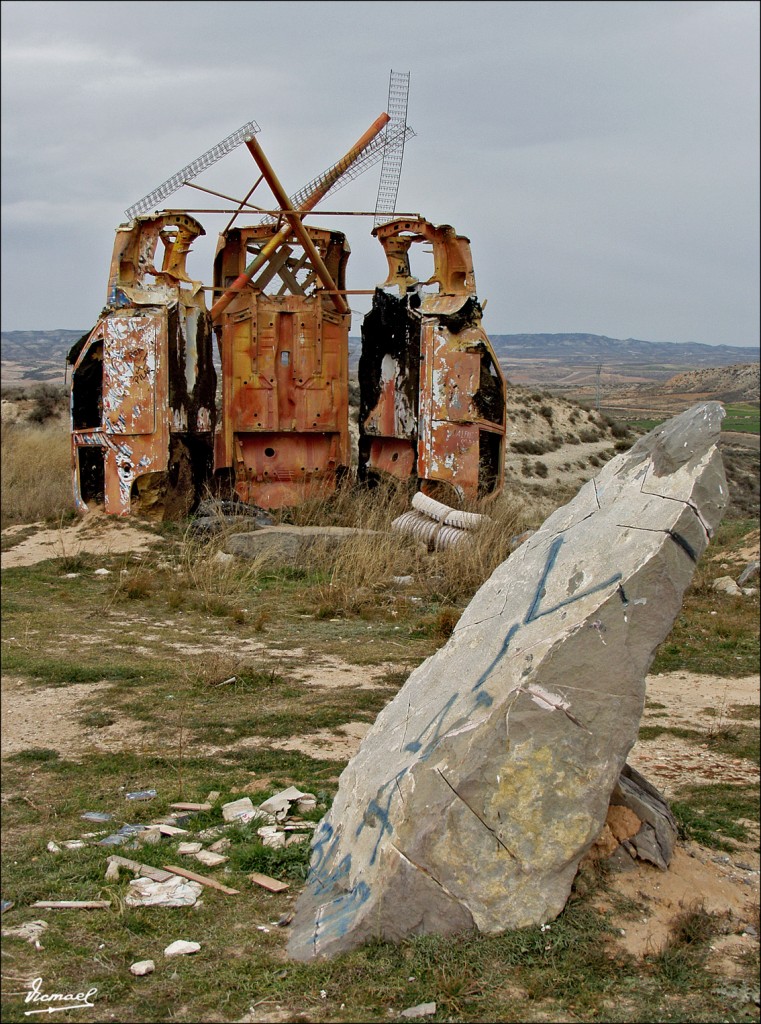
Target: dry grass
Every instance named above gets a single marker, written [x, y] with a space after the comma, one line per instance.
[36, 472]
[363, 568]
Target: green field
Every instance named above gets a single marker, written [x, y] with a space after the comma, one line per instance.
[742, 416]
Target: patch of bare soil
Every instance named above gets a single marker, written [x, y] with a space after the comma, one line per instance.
[696, 878]
[691, 701]
[724, 884]
[95, 533]
[339, 744]
[48, 717]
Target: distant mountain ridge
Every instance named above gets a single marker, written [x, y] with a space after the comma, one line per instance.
[29, 356]
[22, 346]
[582, 349]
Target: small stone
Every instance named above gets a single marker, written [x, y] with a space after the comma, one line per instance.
[421, 1010]
[182, 948]
[188, 849]
[141, 967]
[220, 845]
[211, 860]
[726, 585]
[237, 809]
[53, 847]
[102, 572]
[112, 872]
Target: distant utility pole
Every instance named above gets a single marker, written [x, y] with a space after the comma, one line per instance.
[597, 402]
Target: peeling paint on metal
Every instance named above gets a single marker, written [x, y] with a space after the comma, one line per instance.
[452, 404]
[143, 380]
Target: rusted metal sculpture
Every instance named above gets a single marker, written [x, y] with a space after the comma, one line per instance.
[432, 395]
[143, 384]
[143, 414]
[284, 432]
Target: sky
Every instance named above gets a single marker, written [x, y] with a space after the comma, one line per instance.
[602, 158]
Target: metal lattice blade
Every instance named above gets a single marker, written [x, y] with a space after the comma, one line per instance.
[245, 132]
[393, 139]
[393, 155]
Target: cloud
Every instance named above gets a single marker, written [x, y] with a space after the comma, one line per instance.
[603, 158]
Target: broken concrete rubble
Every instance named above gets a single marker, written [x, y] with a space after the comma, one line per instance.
[482, 784]
[174, 892]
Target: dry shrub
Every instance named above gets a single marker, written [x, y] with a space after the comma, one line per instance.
[457, 572]
[36, 472]
[353, 504]
[360, 570]
[212, 578]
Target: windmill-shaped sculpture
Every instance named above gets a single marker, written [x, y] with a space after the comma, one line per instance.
[144, 422]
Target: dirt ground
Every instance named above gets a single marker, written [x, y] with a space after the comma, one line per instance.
[726, 884]
[96, 534]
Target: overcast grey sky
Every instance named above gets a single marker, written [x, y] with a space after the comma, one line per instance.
[602, 157]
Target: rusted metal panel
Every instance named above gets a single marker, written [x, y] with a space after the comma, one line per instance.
[428, 374]
[283, 434]
[143, 384]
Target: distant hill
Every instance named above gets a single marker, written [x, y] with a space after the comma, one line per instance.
[26, 346]
[731, 383]
[29, 356]
[580, 349]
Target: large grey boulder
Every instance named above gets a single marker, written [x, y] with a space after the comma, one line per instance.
[481, 785]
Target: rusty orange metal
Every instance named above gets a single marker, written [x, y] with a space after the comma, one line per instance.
[283, 433]
[432, 394]
[143, 382]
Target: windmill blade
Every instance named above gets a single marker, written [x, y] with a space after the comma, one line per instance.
[391, 169]
[392, 139]
[194, 168]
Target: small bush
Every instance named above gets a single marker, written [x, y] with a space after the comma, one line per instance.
[531, 447]
[540, 468]
[49, 400]
[620, 430]
[36, 473]
[588, 436]
[548, 412]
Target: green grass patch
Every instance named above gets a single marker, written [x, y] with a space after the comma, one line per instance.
[713, 634]
[711, 814]
[731, 739]
[743, 417]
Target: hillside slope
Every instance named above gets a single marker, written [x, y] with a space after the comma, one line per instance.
[738, 383]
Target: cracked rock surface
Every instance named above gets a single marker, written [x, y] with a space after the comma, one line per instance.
[482, 784]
